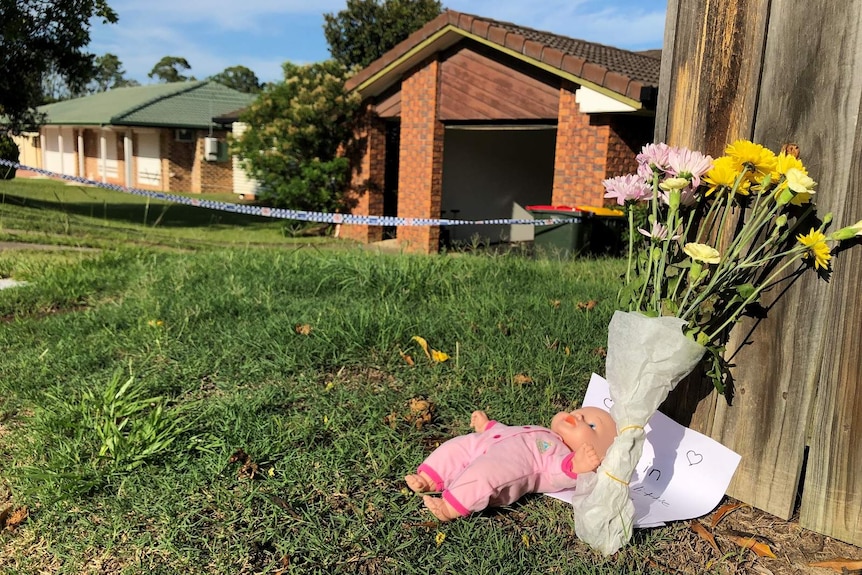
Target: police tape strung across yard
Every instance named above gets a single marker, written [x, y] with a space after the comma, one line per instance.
[281, 213]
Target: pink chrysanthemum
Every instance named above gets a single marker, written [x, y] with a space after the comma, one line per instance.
[627, 188]
[685, 163]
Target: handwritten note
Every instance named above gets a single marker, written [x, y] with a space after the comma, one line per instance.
[682, 474]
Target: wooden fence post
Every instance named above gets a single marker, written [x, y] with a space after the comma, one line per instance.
[782, 72]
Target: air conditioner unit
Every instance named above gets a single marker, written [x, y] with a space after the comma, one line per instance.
[211, 149]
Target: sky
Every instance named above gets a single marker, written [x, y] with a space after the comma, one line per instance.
[263, 34]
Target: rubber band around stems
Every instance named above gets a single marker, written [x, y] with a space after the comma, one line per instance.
[627, 427]
[615, 478]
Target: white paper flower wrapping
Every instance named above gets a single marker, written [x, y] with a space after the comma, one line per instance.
[647, 357]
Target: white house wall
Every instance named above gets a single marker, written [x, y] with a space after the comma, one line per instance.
[495, 173]
[243, 184]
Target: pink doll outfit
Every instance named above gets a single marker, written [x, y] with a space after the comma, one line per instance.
[499, 465]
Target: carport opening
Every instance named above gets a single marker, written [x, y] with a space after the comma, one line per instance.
[493, 172]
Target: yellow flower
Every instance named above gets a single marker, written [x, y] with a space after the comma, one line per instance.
[803, 186]
[439, 538]
[760, 161]
[702, 253]
[818, 250]
[723, 175]
[784, 162]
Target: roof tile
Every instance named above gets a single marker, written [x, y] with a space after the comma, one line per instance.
[533, 49]
[515, 41]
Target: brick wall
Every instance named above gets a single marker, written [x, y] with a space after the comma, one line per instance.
[581, 154]
[215, 177]
[368, 170]
[180, 158]
[420, 177]
[627, 136]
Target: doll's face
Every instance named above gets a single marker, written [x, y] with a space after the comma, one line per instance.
[589, 425]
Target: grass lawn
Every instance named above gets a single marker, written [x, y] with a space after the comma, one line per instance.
[254, 409]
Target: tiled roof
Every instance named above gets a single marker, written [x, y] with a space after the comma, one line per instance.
[632, 75]
[179, 104]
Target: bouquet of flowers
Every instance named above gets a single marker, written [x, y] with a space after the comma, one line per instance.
[706, 239]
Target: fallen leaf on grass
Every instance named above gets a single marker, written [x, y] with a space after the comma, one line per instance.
[587, 305]
[839, 564]
[284, 563]
[249, 468]
[522, 379]
[555, 303]
[750, 541]
[724, 510]
[14, 518]
[601, 352]
[698, 528]
[302, 329]
[433, 354]
[421, 412]
[406, 357]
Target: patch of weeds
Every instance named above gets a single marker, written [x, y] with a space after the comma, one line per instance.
[106, 434]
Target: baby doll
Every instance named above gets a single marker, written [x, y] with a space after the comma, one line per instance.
[498, 464]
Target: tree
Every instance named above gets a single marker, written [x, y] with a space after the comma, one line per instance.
[9, 152]
[366, 29]
[169, 69]
[108, 74]
[296, 132]
[239, 78]
[36, 35]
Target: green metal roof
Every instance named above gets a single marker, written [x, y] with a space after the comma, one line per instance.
[173, 105]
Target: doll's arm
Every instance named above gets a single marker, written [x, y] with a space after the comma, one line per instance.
[479, 421]
[585, 459]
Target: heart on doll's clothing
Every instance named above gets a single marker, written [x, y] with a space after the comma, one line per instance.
[543, 445]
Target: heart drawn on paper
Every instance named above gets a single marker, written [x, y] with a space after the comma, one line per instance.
[693, 457]
[608, 402]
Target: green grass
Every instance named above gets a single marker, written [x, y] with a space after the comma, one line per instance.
[130, 376]
[48, 211]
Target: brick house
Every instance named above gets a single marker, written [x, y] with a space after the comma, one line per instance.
[471, 118]
[156, 137]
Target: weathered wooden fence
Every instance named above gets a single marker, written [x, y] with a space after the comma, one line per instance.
[776, 72]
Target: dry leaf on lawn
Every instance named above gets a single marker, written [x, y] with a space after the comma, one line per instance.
[724, 510]
[698, 528]
[587, 305]
[555, 303]
[751, 541]
[522, 379]
[302, 329]
[406, 357]
[839, 564]
[17, 517]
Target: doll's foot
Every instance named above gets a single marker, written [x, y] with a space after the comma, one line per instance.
[440, 508]
[419, 483]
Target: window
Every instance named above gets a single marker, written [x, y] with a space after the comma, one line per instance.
[185, 135]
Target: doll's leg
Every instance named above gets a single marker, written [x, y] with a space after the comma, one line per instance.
[490, 480]
[445, 463]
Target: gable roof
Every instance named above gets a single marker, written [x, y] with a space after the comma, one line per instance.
[172, 105]
[629, 77]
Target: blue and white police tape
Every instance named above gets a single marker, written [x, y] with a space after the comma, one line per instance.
[281, 213]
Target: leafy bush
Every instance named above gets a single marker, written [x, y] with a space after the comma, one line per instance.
[8, 151]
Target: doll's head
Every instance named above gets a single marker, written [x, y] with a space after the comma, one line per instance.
[591, 425]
